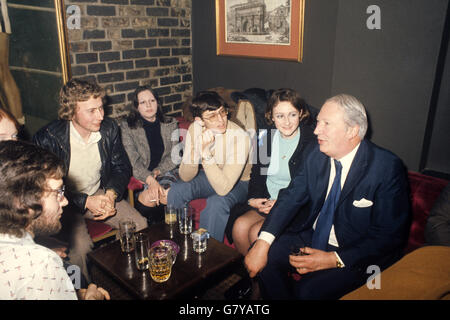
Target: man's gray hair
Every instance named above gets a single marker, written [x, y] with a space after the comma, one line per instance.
[354, 112]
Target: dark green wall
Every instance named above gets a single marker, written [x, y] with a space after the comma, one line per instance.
[35, 60]
[312, 78]
[392, 70]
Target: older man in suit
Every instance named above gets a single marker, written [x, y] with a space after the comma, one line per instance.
[359, 212]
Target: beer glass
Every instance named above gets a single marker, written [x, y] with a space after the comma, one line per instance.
[160, 263]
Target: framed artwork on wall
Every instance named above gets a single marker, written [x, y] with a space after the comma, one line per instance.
[268, 29]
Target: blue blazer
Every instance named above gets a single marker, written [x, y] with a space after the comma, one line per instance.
[371, 234]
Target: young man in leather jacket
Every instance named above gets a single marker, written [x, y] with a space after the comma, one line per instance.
[97, 169]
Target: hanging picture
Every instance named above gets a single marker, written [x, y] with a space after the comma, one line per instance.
[271, 29]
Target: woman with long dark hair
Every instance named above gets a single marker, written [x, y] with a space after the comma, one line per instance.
[148, 137]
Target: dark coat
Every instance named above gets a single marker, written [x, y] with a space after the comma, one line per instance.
[115, 171]
[373, 233]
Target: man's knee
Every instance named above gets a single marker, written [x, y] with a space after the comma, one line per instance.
[141, 222]
[178, 193]
[125, 210]
[220, 204]
[81, 246]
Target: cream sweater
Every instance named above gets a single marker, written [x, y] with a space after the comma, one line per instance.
[230, 161]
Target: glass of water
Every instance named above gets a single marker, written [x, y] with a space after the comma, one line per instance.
[185, 215]
[127, 228]
[141, 251]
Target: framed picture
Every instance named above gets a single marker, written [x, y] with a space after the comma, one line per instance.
[269, 29]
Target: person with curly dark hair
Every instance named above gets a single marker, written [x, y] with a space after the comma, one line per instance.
[31, 203]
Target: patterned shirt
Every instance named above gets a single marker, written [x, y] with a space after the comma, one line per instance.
[29, 271]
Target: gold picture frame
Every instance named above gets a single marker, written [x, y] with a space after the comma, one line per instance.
[39, 57]
[61, 23]
[267, 29]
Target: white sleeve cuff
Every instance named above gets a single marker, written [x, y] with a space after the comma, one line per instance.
[267, 237]
[339, 258]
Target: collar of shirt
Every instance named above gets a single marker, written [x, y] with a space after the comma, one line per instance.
[346, 162]
[7, 238]
[94, 137]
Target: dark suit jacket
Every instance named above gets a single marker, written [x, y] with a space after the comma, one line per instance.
[374, 234]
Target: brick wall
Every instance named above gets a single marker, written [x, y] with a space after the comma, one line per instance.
[122, 44]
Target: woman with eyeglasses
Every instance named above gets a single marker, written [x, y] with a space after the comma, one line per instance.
[149, 137]
[222, 148]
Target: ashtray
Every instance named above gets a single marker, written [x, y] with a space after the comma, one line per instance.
[166, 243]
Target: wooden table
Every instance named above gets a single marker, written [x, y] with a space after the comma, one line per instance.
[192, 273]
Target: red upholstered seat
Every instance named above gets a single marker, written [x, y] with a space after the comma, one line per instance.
[227, 242]
[424, 192]
[183, 125]
[198, 205]
[134, 184]
[99, 230]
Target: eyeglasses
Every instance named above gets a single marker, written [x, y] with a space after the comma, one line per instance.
[216, 115]
[59, 192]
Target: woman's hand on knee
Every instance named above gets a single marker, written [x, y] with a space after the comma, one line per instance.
[257, 203]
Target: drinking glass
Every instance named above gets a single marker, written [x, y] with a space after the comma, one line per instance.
[200, 240]
[185, 214]
[170, 214]
[141, 251]
[127, 228]
[160, 263]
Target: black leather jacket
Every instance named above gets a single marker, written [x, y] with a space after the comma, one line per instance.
[115, 171]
